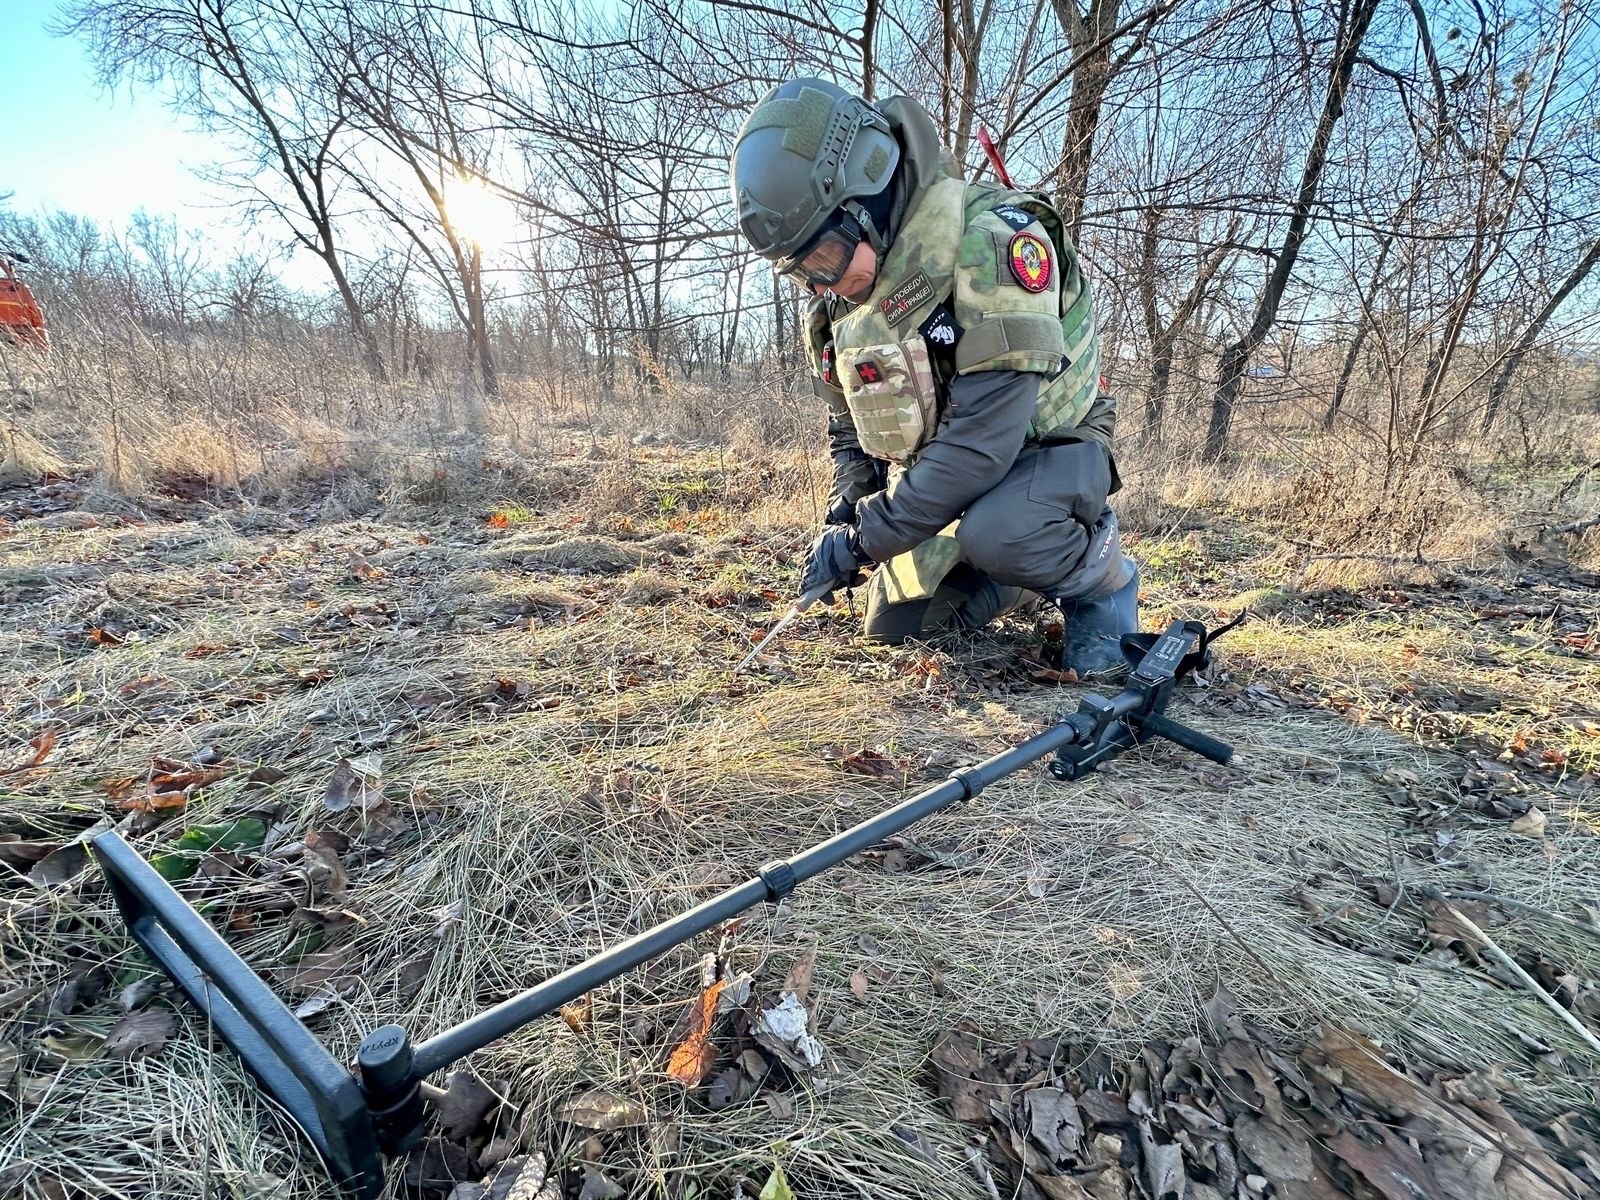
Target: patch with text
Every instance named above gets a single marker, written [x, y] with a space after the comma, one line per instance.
[941, 327]
[1017, 218]
[898, 304]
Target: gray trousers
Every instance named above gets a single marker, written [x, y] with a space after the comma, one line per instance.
[1030, 533]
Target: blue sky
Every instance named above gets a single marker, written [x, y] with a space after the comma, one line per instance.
[66, 143]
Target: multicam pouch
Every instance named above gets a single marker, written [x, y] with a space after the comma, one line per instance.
[893, 399]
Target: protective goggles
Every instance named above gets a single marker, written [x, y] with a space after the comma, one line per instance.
[825, 260]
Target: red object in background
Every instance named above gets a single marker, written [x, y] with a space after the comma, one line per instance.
[21, 318]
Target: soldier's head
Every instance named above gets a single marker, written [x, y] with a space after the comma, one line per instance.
[812, 171]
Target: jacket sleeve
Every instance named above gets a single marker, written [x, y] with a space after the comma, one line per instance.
[986, 426]
[855, 473]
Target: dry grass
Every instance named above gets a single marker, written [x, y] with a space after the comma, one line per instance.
[567, 758]
[527, 827]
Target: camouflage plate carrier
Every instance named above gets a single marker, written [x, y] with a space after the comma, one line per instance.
[955, 254]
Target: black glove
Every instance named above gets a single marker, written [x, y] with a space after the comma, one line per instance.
[840, 512]
[834, 561]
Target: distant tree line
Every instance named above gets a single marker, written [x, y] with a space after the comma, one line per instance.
[1375, 217]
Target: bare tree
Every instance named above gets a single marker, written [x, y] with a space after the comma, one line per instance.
[1354, 18]
[1575, 278]
[237, 67]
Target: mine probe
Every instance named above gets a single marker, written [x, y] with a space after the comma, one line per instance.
[797, 610]
[357, 1119]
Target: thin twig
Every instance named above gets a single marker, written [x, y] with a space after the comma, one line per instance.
[1571, 485]
[1527, 981]
[1507, 902]
[1572, 527]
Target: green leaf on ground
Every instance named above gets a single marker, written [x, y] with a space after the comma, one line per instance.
[183, 860]
[777, 1185]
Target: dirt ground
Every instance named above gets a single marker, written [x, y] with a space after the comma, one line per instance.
[416, 760]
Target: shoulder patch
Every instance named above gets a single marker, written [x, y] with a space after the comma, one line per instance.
[1017, 218]
[897, 305]
[941, 328]
[1030, 262]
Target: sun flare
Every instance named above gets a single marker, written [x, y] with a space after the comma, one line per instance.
[479, 213]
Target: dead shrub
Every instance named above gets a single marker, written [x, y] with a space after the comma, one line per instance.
[26, 458]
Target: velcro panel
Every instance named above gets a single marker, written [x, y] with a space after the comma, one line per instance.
[803, 119]
[1011, 342]
[877, 163]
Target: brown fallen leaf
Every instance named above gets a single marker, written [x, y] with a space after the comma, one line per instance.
[14, 852]
[155, 801]
[578, 1013]
[1467, 1145]
[597, 1187]
[957, 1062]
[727, 1089]
[798, 980]
[170, 776]
[694, 1055]
[1054, 1122]
[1530, 824]
[437, 1166]
[858, 984]
[141, 1034]
[875, 764]
[603, 1111]
[780, 1105]
[360, 568]
[314, 970]
[355, 781]
[61, 865]
[1392, 1166]
[413, 974]
[41, 746]
[465, 1103]
[710, 875]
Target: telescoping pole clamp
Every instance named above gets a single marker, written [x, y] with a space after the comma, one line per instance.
[355, 1120]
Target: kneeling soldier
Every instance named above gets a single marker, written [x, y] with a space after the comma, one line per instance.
[953, 338]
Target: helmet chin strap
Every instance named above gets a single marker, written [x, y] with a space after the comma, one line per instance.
[876, 238]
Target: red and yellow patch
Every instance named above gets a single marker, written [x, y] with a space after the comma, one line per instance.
[1030, 261]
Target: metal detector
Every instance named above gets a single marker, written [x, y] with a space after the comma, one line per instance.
[357, 1119]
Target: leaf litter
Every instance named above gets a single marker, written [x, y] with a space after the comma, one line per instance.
[957, 918]
[1235, 1112]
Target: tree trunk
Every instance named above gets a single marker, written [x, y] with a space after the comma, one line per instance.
[1155, 407]
[1089, 83]
[478, 325]
[1502, 379]
[1356, 19]
[359, 325]
[869, 30]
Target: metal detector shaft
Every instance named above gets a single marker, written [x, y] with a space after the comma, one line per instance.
[352, 1125]
[771, 883]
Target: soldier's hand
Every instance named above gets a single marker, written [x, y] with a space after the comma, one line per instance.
[834, 561]
[840, 512]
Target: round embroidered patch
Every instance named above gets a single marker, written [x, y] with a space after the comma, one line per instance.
[1030, 261]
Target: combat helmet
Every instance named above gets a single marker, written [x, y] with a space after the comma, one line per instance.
[806, 150]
